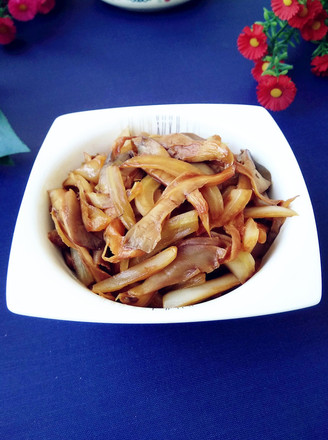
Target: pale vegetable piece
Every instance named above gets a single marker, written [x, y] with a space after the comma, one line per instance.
[96, 272]
[123, 265]
[101, 200]
[138, 272]
[263, 233]
[61, 232]
[236, 244]
[118, 195]
[234, 203]
[196, 280]
[77, 180]
[268, 212]
[90, 169]
[82, 271]
[214, 199]
[113, 237]
[211, 194]
[251, 235]
[134, 191]
[201, 206]
[94, 218]
[145, 198]
[243, 267]
[244, 182]
[196, 294]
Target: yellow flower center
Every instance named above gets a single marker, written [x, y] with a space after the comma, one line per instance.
[304, 12]
[316, 25]
[276, 93]
[22, 7]
[287, 2]
[265, 66]
[254, 42]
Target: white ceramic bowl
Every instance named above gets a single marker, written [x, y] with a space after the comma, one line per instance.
[40, 284]
[145, 5]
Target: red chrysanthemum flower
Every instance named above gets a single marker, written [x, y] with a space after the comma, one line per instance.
[307, 12]
[285, 9]
[316, 28]
[320, 65]
[259, 67]
[7, 30]
[275, 93]
[46, 6]
[252, 42]
[23, 10]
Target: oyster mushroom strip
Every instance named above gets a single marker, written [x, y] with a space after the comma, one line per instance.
[148, 145]
[242, 169]
[183, 146]
[94, 218]
[193, 258]
[138, 272]
[262, 183]
[66, 215]
[146, 233]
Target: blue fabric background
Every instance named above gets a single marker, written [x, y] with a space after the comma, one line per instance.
[257, 378]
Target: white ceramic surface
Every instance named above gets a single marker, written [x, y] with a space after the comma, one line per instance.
[39, 283]
[145, 5]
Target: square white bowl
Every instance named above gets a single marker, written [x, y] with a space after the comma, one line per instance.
[39, 283]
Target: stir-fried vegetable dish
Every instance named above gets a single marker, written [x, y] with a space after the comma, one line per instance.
[165, 220]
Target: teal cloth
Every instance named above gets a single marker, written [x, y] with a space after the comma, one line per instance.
[10, 143]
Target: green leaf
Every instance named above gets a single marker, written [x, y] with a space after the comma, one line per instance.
[266, 14]
[6, 160]
[10, 143]
[269, 72]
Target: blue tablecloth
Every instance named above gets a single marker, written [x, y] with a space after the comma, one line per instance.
[254, 378]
